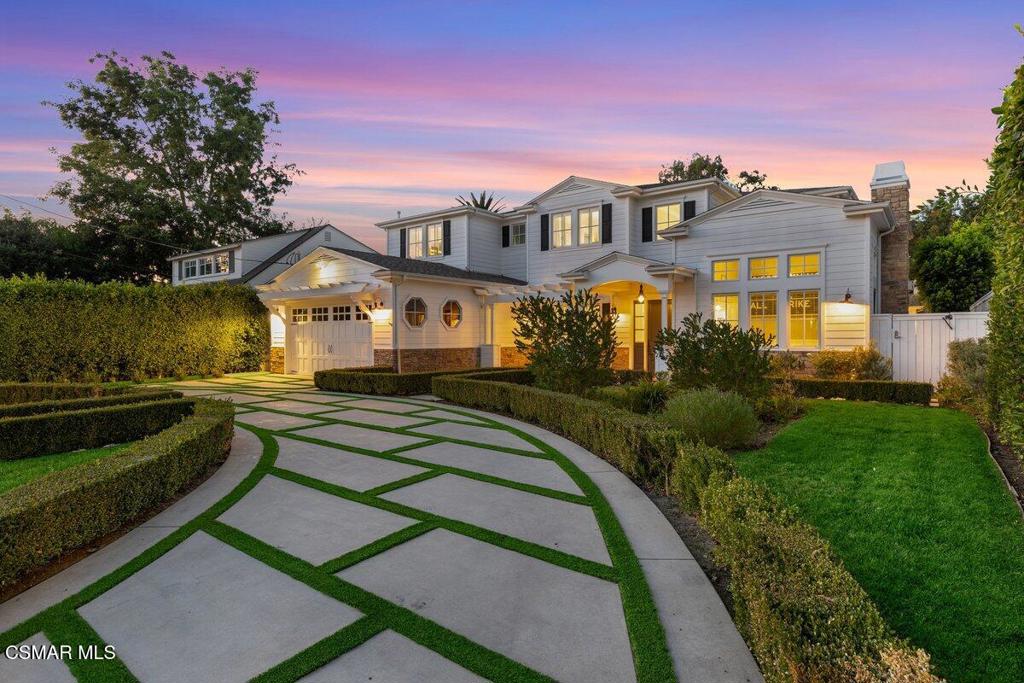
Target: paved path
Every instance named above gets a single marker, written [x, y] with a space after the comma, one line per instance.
[354, 538]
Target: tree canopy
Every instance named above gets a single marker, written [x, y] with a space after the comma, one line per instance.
[703, 166]
[936, 216]
[168, 160]
[953, 271]
[34, 246]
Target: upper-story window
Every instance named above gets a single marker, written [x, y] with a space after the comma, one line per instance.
[190, 269]
[517, 234]
[205, 265]
[435, 239]
[804, 264]
[724, 271]
[414, 249]
[561, 229]
[589, 226]
[764, 267]
[665, 216]
[221, 263]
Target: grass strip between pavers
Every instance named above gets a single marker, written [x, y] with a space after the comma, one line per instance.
[71, 629]
[459, 649]
[402, 483]
[323, 652]
[377, 547]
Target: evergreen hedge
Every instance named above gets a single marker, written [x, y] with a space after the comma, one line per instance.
[67, 509]
[864, 390]
[40, 407]
[382, 380]
[71, 331]
[31, 392]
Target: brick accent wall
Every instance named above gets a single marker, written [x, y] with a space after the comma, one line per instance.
[416, 360]
[383, 358]
[277, 360]
[894, 294]
[621, 360]
[512, 358]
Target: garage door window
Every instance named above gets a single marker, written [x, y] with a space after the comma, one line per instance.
[415, 312]
[361, 314]
[451, 314]
[342, 312]
[320, 314]
[300, 315]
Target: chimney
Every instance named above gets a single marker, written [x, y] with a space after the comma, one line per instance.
[891, 184]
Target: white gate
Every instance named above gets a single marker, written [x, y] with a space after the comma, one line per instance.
[918, 343]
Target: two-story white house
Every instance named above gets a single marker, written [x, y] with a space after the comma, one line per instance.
[807, 266]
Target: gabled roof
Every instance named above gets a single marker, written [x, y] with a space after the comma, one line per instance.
[839, 191]
[650, 265]
[282, 252]
[569, 182]
[438, 213]
[428, 268]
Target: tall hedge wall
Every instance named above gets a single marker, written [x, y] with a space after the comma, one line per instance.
[64, 330]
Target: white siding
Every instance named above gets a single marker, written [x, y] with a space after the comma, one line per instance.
[434, 334]
[659, 250]
[484, 244]
[459, 256]
[257, 251]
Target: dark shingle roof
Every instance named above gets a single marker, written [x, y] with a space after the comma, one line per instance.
[303, 235]
[418, 267]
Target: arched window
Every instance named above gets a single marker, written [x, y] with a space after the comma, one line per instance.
[451, 313]
[415, 312]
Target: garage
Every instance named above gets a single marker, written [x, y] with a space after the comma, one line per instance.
[328, 336]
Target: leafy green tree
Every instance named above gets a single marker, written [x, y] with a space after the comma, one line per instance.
[936, 216]
[754, 180]
[485, 201]
[33, 246]
[168, 160]
[952, 271]
[1006, 209]
[568, 344]
[699, 167]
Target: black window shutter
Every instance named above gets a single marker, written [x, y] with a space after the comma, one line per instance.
[689, 209]
[446, 237]
[181, 270]
[231, 261]
[401, 242]
[606, 224]
[504, 236]
[647, 224]
[544, 232]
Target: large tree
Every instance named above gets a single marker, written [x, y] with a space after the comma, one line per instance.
[936, 216]
[34, 246]
[703, 166]
[952, 271]
[168, 160]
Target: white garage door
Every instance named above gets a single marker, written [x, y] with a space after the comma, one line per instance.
[324, 337]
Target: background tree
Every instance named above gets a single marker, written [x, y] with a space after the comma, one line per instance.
[936, 216]
[33, 246]
[703, 166]
[485, 201]
[754, 180]
[953, 271]
[168, 158]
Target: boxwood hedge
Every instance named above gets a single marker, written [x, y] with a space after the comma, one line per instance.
[65, 330]
[28, 392]
[39, 407]
[864, 390]
[380, 380]
[67, 509]
[24, 437]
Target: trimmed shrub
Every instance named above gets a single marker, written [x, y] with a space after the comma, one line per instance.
[24, 437]
[722, 419]
[638, 445]
[781, 404]
[380, 380]
[65, 330]
[643, 397]
[31, 392]
[786, 363]
[695, 465]
[864, 390]
[964, 385]
[67, 509]
[860, 363]
[40, 407]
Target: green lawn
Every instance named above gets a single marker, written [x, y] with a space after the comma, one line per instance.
[17, 472]
[910, 500]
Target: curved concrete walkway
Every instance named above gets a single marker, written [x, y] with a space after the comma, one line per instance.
[353, 538]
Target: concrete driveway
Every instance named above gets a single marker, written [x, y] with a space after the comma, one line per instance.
[353, 538]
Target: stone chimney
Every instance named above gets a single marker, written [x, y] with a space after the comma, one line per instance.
[891, 184]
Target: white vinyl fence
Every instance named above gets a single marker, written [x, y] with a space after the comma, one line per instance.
[918, 343]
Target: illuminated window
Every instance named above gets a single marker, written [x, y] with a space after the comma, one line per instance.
[320, 314]
[764, 308]
[222, 262]
[723, 271]
[665, 217]
[206, 265]
[761, 268]
[435, 239]
[415, 312]
[804, 264]
[518, 235]
[300, 315]
[590, 226]
[414, 248]
[803, 318]
[561, 229]
[451, 313]
[342, 312]
[727, 308]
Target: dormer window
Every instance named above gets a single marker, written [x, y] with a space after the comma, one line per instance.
[589, 226]
[414, 249]
[561, 229]
[665, 217]
[435, 239]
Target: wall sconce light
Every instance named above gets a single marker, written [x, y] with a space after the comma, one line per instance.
[640, 298]
[613, 311]
[847, 298]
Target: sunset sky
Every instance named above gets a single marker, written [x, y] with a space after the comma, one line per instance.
[401, 106]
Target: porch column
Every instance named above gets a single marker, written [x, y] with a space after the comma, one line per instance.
[659, 364]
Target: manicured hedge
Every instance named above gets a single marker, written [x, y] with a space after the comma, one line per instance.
[63, 330]
[864, 390]
[30, 392]
[40, 407]
[67, 509]
[637, 445]
[24, 437]
[380, 380]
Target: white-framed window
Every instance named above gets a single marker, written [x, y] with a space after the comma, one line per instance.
[804, 315]
[319, 314]
[802, 265]
[665, 216]
[726, 270]
[763, 267]
[342, 313]
[764, 313]
[561, 229]
[435, 239]
[451, 313]
[414, 243]
[221, 263]
[300, 315]
[190, 269]
[361, 314]
[726, 307]
[205, 265]
[415, 312]
[517, 235]
[589, 230]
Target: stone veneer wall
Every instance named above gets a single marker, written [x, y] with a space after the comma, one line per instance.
[511, 357]
[417, 360]
[277, 360]
[621, 360]
[895, 294]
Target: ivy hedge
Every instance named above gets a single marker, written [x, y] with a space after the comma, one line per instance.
[864, 390]
[71, 331]
[64, 510]
[59, 432]
[63, 405]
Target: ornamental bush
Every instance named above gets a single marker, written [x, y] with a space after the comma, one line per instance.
[964, 384]
[70, 331]
[864, 390]
[644, 397]
[860, 363]
[722, 419]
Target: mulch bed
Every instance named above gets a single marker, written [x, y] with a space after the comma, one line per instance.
[1010, 464]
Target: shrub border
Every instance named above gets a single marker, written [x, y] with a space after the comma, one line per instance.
[64, 405]
[381, 380]
[864, 390]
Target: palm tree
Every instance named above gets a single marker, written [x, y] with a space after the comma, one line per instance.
[487, 202]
